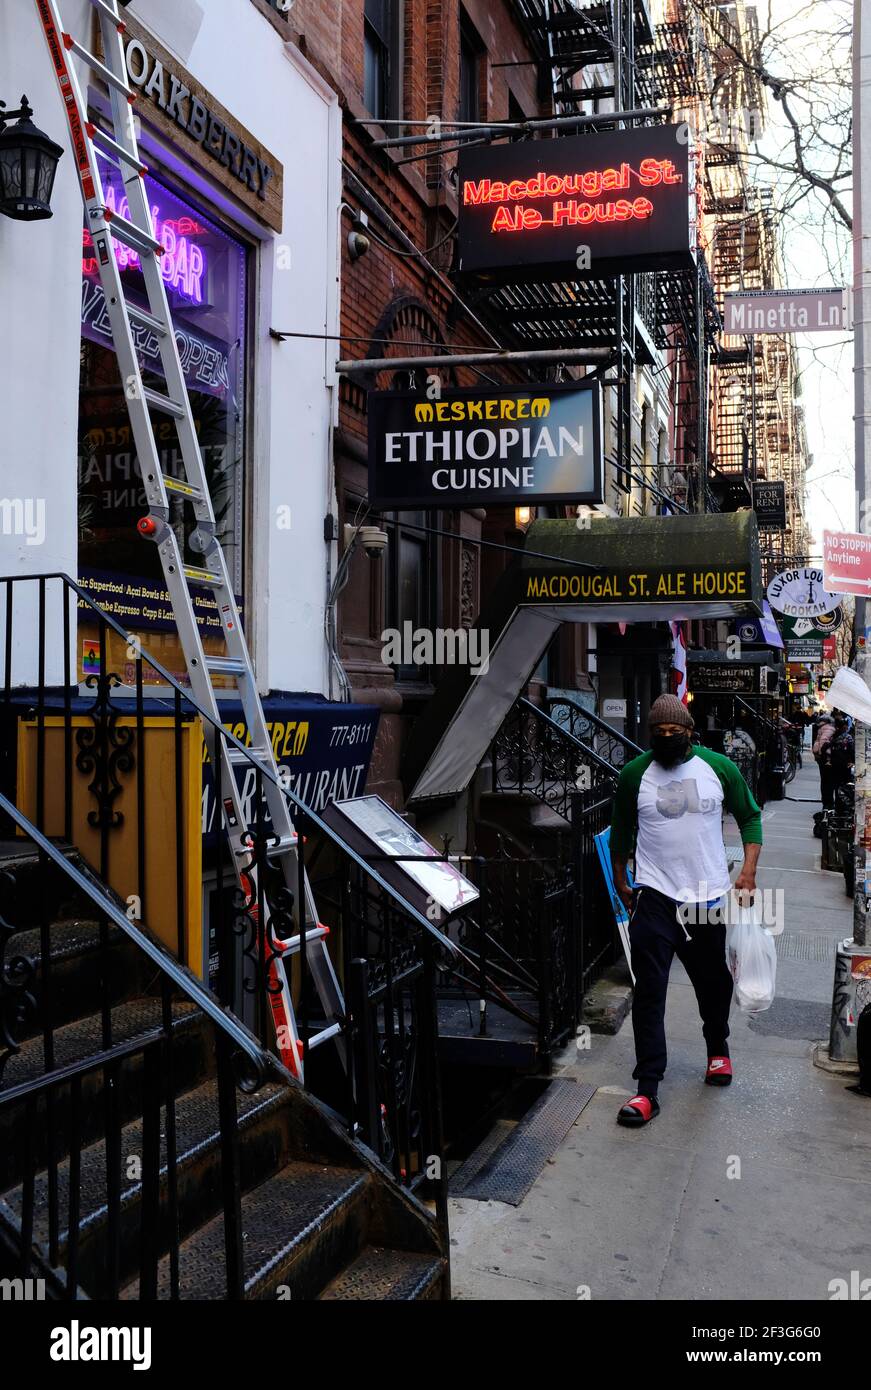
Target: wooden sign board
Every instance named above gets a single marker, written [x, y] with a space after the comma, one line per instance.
[169, 98]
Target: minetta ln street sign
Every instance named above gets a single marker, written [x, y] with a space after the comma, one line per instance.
[579, 206]
[472, 448]
[746, 312]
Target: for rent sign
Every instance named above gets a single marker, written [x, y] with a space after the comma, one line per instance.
[471, 448]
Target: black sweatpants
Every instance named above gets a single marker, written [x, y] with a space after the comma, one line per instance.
[655, 937]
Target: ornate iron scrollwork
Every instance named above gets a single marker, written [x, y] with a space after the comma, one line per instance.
[17, 978]
[105, 750]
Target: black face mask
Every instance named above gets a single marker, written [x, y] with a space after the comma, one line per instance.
[670, 749]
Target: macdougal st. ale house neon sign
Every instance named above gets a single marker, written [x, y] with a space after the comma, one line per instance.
[626, 196]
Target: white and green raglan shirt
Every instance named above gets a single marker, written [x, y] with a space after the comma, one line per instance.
[674, 819]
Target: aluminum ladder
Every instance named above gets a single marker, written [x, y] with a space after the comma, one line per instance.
[136, 231]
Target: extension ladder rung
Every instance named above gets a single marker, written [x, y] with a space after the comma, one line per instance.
[143, 316]
[137, 238]
[100, 68]
[226, 666]
[109, 13]
[290, 944]
[158, 401]
[193, 494]
[206, 579]
[106, 143]
[324, 1035]
[235, 755]
[273, 851]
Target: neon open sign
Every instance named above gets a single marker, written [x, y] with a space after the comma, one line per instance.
[622, 196]
[183, 264]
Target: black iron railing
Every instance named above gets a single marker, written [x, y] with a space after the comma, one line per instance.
[115, 770]
[54, 1104]
[518, 945]
[533, 754]
[593, 732]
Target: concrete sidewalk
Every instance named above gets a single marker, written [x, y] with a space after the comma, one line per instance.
[654, 1213]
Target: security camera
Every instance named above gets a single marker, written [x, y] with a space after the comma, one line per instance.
[373, 538]
[374, 541]
[358, 245]
[284, 6]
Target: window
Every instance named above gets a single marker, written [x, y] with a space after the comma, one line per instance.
[471, 49]
[410, 597]
[381, 65]
[205, 271]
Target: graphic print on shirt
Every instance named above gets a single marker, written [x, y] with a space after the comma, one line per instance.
[675, 799]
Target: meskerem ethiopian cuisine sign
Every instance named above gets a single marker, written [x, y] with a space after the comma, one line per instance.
[470, 448]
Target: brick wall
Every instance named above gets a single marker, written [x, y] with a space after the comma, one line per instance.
[392, 305]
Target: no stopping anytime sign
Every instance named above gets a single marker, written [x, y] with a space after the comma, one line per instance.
[847, 562]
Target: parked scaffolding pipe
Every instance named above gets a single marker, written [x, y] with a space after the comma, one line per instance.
[583, 356]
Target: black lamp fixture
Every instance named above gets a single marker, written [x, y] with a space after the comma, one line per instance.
[28, 162]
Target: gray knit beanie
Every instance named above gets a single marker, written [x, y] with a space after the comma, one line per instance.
[668, 709]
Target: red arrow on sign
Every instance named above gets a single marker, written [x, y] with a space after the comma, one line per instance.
[846, 562]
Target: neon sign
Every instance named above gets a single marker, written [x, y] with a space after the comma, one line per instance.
[183, 265]
[625, 196]
[591, 184]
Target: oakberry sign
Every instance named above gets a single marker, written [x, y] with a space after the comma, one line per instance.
[470, 448]
[582, 205]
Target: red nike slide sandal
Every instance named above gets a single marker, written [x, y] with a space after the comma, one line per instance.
[719, 1071]
[640, 1110]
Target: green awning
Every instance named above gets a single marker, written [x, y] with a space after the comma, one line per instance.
[644, 569]
[622, 569]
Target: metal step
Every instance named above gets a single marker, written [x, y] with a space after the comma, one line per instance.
[293, 1223]
[388, 1276]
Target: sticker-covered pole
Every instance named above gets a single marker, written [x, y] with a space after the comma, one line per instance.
[849, 997]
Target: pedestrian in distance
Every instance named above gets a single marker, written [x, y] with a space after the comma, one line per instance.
[669, 808]
[823, 754]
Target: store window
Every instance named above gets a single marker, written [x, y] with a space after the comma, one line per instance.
[205, 271]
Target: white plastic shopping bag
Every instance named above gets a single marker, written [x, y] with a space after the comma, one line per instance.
[751, 957]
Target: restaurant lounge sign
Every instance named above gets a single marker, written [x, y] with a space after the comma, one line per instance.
[470, 448]
[181, 108]
[584, 205]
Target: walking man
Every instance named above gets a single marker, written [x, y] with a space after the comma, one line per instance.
[669, 806]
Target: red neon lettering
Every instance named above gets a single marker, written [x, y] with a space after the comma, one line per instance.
[476, 192]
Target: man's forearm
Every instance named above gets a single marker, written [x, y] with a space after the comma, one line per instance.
[621, 883]
[751, 858]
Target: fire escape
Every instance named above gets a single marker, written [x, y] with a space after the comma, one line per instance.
[592, 57]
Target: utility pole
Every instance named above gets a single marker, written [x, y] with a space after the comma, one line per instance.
[845, 1005]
